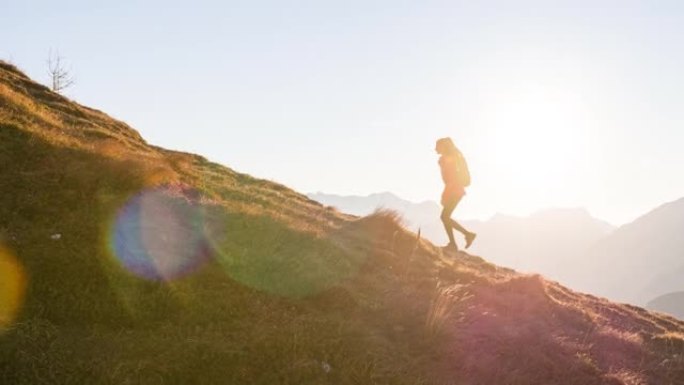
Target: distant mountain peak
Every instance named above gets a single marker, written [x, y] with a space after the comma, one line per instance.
[566, 211]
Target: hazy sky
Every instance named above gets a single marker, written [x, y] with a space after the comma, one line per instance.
[555, 104]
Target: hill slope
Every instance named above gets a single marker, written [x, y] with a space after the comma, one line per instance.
[424, 215]
[126, 263]
[522, 243]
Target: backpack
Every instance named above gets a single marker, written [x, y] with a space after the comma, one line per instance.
[462, 172]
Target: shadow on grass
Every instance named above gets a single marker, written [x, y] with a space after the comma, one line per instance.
[80, 278]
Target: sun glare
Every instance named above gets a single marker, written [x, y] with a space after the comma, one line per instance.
[537, 144]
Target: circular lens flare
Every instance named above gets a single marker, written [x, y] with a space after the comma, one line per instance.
[158, 234]
[12, 287]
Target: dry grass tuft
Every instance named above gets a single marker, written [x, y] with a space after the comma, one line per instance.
[444, 309]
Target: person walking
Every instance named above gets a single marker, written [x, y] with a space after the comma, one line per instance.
[456, 177]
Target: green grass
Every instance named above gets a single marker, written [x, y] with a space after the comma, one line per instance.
[288, 291]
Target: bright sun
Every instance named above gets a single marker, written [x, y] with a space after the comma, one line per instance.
[538, 141]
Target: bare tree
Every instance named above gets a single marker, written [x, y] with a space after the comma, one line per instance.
[60, 76]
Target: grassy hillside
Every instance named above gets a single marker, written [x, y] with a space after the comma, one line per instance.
[124, 263]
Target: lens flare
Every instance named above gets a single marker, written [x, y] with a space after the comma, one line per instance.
[158, 234]
[268, 255]
[12, 287]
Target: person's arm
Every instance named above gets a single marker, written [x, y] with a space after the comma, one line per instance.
[448, 168]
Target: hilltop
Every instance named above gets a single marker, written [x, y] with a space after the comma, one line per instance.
[523, 243]
[123, 262]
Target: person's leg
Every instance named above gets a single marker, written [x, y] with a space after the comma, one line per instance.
[457, 226]
[469, 236]
[447, 221]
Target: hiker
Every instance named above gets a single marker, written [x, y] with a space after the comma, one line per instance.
[456, 178]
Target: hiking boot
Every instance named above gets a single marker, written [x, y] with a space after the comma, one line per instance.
[470, 237]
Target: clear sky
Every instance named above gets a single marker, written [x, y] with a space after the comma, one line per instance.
[554, 103]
